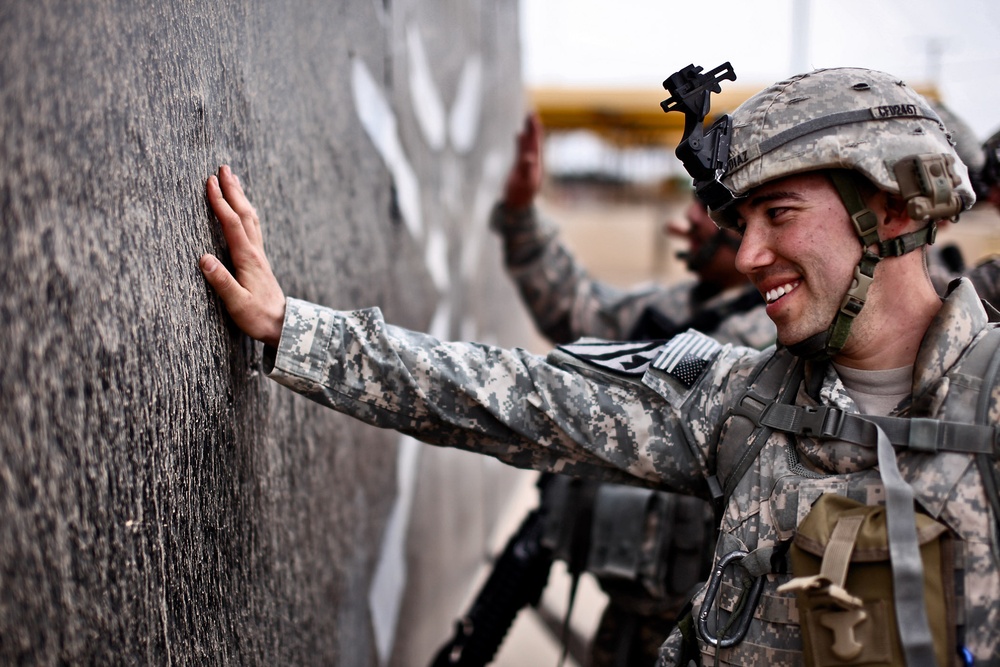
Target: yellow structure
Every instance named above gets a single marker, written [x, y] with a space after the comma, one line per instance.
[631, 117]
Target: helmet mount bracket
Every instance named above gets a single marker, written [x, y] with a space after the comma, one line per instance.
[704, 154]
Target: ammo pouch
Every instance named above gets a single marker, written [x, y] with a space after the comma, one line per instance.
[648, 548]
[843, 585]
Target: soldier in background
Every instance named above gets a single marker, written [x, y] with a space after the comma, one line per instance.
[945, 261]
[990, 174]
[566, 304]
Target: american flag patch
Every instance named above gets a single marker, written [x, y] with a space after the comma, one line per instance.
[626, 358]
[686, 356]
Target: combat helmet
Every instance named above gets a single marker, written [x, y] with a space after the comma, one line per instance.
[846, 120]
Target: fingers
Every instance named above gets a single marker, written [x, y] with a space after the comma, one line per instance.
[525, 176]
[533, 127]
[218, 276]
[236, 199]
[232, 227]
[233, 191]
[529, 143]
[250, 293]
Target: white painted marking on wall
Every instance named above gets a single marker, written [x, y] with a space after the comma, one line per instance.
[463, 122]
[385, 596]
[452, 180]
[494, 169]
[461, 129]
[436, 258]
[441, 322]
[427, 104]
[380, 125]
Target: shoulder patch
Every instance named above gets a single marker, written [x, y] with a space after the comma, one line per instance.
[685, 356]
[626, 358]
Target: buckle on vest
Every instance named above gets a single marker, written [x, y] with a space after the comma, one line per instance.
[821, 422]
[737, 624]
[751, 405]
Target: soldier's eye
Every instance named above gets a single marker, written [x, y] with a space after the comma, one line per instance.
[776, 212]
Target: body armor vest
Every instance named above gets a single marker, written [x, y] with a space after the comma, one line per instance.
[780, 450]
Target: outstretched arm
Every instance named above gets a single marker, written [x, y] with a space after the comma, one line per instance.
[564, 300]
[253, 297]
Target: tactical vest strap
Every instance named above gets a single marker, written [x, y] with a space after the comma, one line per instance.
[988, 467]
[918, 434]
[762, 411]
[773, 379]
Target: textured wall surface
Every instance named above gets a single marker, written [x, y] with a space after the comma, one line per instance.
[161, 501]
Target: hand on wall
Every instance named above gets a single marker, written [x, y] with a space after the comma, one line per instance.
[253, 297]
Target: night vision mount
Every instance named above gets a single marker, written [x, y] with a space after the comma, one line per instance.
[703, 153]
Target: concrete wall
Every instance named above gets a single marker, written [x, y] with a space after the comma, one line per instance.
[161, 501]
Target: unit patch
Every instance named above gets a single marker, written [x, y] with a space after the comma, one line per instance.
[626, 358]
[686, 356]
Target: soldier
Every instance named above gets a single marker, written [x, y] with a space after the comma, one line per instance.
[862, 445]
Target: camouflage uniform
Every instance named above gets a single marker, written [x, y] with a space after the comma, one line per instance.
[656, 421]
[567, 303]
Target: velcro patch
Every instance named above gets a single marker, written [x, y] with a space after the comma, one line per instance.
[626, 358]
[686, 356]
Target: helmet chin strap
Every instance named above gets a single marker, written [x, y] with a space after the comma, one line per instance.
[827, 344]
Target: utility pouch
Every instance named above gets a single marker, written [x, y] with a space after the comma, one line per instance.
[648, 547]
[843, 585]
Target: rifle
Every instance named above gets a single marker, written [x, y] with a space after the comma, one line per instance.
[592, 527]
[517, 580]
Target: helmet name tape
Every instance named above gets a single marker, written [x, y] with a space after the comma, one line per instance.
[898, 110]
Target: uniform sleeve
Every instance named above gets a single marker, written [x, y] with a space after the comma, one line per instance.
[509, 404]
[564, 300]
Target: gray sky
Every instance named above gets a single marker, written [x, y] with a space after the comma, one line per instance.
[952, 43]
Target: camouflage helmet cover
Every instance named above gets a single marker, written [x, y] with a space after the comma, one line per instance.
[841, 118]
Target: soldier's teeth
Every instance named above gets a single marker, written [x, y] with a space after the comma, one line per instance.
[778, 292]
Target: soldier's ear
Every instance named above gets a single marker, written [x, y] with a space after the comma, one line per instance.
[895, 219]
